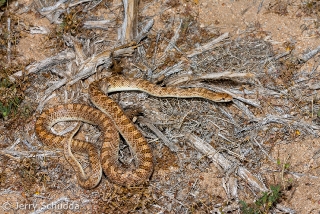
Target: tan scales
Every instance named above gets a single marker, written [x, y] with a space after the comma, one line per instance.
[111, 119]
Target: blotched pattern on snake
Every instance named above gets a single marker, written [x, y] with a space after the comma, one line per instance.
[110, 119]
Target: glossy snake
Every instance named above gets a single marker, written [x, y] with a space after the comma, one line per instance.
[110, 119]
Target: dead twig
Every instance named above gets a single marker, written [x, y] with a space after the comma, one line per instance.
[284, 209]
[309, 55]
[61, 57]
[244, 109]
[224, 163]
[101, 24]
[168, 71]
[39, 30]
[173, 40]
[9, 41]
[18, 155]
[144, 31]
[44, 100]
[207, 46]
[89, 66]
[264, 151]
[130, 23]
[46, 10]
[159, 134]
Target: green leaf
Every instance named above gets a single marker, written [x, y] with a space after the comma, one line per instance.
[2, 2]
[286, 166]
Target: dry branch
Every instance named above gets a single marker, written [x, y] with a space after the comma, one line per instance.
[174, 39]
[89, 66]
[9, 41]
[55, 86]
[159, 134]
[144, 31]
[230, 186]
[101, 24]
[18, 155]
[46, 10]
[264, 151]
[61, 57]
[284, 209]
[72, 4]
[168, 71]
[44, 100]
[226, 75]
[130, 23]
[44, 64]
[244, 109]
[208, 46]
[80, 55]
[39, 30]
[224, 163]
[289, 121]
[310, 54]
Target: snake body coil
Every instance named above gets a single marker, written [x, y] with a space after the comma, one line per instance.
[110, 119]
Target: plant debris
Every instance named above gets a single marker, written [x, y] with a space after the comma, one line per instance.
[253, 155]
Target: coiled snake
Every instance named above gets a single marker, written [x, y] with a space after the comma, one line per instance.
[110, 119]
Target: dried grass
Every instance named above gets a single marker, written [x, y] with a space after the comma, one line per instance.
[274, 103]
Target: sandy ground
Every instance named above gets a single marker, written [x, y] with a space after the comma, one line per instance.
[184, 181]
